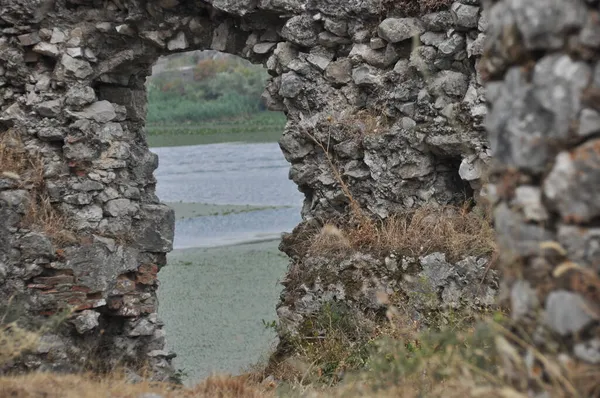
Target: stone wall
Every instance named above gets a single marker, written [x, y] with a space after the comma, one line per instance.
[543, 68]
[401, 120]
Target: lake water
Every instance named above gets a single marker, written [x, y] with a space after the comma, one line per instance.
[222, 280]
[229, 174]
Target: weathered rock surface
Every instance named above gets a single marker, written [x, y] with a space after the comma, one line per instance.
[542, 64]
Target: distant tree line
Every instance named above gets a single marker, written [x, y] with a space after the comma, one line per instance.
[195, 88]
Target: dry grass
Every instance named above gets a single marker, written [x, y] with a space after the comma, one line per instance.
[390, 360]
[15, 162]
[363, 123]
[456, 231]
[43, 217]
[48, 385]
[14, 341]
[27, 170]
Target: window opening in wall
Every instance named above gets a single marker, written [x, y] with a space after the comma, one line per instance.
[223, 172]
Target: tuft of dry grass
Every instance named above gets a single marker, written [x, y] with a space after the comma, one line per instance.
[456, 231]
[14, 160]
[27, 170]
[43, 217]
[14, 341]
[363, 123]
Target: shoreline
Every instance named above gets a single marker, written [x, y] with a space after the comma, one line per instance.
[186, 210]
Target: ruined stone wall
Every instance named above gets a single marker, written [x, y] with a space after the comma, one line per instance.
[543, 68]
[400, 119]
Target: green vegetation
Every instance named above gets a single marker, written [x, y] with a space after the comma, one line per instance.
[196, 99]
[262, 127]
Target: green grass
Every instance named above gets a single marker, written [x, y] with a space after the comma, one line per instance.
[260, 127]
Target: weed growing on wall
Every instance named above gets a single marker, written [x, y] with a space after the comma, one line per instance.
[26, 170]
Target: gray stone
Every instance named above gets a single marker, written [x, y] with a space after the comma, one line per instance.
[99, 111]
[432, 38]
[332, 41]
[76, 67]
[588, 351]
[16, 200]
[590, 34]
[238, 7]
[475, 47]
[537, 115]
[121, 207]
[154, 231]
[44, 48]
[263, 48]
[58, 36]
[80, 151]
[377, 43]
[80, 95]
[567, 312]
[43, 83]
[51, 134]
[285, 53]
[300, 30]
[452, 45]
[407, 123]
[220, 37]
[86, 321]
[529, 200]
[92, 213]
[161, 353]
[29, 39]
[35, 244]
[339, 28]
[395, 30]
[366, 75]
[589, 122]
[464, 16]
[515, 235]
[438, 21]
[541, 24]
[318, 61]
[111, 131]
[339, 72]
[523, 300]
[582, 244]
[75, 52]
[377, 58]
[422, 59]
[291, 85]
[140, 327]
[50, 343]
[3, 272]
[471, 169]
[49, 108]
[154, 36]
[451, 83]
[573, 185]
[125, 29]
[179, 42]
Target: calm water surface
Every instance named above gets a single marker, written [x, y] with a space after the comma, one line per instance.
[233, 174]
[219, 287]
